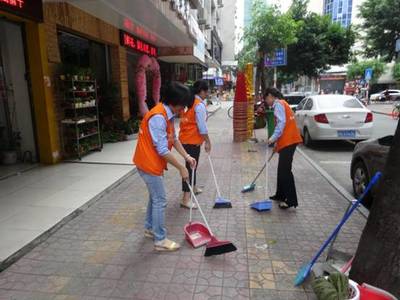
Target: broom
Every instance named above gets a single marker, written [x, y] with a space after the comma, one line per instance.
[306, 269]
[219, 202]
[215, 246]
[250, 187]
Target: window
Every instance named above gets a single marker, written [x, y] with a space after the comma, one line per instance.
[80, 52]
[331, 103]
[309, 105]
[301, 105]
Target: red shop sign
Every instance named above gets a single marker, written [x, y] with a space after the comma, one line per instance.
[32, 9]
[132, 42]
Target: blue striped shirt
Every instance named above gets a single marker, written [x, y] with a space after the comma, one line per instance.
[201, 116]
[280, 116]
[158, 130]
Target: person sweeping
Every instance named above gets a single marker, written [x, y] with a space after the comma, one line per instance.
[193, 133]
[286, 137]
[153, 153]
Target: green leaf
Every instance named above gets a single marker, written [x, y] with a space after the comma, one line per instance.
[324, 289]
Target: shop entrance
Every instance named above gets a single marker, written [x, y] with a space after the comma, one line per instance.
[17, 133]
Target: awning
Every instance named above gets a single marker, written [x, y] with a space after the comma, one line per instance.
[140, 17]
[182, 59]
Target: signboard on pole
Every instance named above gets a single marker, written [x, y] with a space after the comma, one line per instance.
[279, 58]
[368, 74]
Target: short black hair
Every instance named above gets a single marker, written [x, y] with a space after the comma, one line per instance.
[200, 85]
[175, 93]
[274, 92]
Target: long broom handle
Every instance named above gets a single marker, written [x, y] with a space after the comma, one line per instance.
[191, 198]
[262, 169]
[213, 173]
[374, 179]
[199, 207]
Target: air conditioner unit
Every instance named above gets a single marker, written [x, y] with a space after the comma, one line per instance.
[207, 26]
[220, 3]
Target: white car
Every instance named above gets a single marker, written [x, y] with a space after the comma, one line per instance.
[394, 95]
[333, 117]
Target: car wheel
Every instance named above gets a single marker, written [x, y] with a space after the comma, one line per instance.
[307, 138]
[360, 181]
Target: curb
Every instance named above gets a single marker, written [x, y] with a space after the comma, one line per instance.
[45, 235]
[342, 191]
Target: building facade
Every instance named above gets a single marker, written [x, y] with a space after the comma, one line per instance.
[45, 41]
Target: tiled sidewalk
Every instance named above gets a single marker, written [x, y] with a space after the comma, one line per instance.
[102, 254]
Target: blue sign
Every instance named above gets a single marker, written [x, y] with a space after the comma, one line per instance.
[398, 45]
[219, 81]
[368, 74]
[279, 59]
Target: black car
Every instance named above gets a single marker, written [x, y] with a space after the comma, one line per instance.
[368, 158]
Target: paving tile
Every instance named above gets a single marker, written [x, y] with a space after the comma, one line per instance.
[179, 292]
[187, 276]
[236, 279]
[77, 286]
[210, 278]
[164, 275]
[112, 272]
[101, 287]
[127, 289]
[207, 293]
[262, 281]
[235, 293]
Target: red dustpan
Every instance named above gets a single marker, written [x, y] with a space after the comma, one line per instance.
[196, 233]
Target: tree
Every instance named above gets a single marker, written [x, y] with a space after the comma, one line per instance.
[396, 71]
[357, 69]
[377, 260]
[320, 43]
[381, 24]
[269, 29]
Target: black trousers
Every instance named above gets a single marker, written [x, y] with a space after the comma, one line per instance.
[193, 151]
[286, 188]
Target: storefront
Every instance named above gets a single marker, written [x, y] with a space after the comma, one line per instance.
[143, 72]
[26, 135]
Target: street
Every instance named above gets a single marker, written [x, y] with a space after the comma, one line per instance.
[335, 156]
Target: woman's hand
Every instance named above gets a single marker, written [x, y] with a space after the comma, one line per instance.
[191, 161]
[207, 147]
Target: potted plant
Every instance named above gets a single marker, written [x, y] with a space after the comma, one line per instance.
[336, 286]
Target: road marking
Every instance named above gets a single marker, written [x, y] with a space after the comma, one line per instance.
[335, 162]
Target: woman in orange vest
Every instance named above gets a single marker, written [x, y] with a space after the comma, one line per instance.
[153, 152]
[193, 132]
[286, 137]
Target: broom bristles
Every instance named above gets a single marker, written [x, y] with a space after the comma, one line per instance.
[220, 249]
[223, 205]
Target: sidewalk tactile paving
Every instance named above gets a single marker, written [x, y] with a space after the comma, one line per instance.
[102, 253]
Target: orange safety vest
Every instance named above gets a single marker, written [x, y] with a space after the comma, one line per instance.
[291, 134]
[146, 157]
[189, 132]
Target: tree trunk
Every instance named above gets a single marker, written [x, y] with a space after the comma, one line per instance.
[259, 74]
[377, 260]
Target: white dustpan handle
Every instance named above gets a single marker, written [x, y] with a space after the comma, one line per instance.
[199, 207]
[213, 173]
[191, 198]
